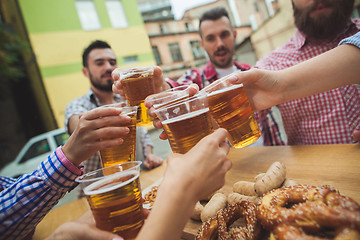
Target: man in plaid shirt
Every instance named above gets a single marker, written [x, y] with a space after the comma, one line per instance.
[218, 40]
[99, 61]
[325, 118]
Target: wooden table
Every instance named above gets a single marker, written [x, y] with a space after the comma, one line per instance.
[336, 165]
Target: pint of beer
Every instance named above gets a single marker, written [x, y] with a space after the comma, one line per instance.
[138, 83]
[115, 200]
[186, 122]
[125, 151]
[230, 108]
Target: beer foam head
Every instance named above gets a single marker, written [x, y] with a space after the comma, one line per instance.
[111, 182]
[137, 71]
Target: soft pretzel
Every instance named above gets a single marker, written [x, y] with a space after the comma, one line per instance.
[218, 227]
[285, 232]
[313, 208]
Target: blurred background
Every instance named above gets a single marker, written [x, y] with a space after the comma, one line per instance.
[41, 44]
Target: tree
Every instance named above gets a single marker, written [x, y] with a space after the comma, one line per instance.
[11, 61]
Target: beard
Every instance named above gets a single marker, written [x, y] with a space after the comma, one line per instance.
[96, 82]
[323, 26]
[225, 64]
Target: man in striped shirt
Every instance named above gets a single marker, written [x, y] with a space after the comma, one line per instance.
[25, 201]
[325, 118]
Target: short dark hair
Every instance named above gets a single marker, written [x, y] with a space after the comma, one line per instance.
[94, 45]
[213, 14]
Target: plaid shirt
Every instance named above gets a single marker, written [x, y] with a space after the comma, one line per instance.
[203, 76]
[88, 102]
[25, 201]
[324, 118]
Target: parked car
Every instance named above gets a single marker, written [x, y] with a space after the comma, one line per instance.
[36, 150]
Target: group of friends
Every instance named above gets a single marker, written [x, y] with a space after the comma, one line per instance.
[313, 79]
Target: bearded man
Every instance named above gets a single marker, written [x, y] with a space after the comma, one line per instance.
[218, 38]
[325, 118]
[99, 61]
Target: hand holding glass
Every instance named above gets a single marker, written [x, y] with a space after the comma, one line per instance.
[115, 199]
[230, 108]
[138, 83]
[125, 151]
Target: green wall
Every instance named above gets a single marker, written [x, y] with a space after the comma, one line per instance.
[60, 15]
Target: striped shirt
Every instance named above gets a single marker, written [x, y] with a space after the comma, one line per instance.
[324, 118]
[353, 40]
[25, 201]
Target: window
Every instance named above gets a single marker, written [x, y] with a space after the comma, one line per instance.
[175, 52]
[61, 138]
[116, 14]
[131, 59]
[37, 149]
[156, 55]
[163, 28]
[189, 27]
[196, 49]
[88, 16]
[256, 7]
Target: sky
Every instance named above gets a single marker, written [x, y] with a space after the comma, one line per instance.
[180, 6]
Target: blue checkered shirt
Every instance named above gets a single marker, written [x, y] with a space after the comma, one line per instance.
[25, 201]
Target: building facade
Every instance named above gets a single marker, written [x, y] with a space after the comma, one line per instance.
[57, 32]
[175, 43]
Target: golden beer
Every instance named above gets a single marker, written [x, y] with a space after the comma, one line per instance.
[231, 110]
[138, 83]
[116, 203]
[125, 151]
[115, 200]
[187, 130]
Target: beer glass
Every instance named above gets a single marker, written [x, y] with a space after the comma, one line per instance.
[115, 199]
[169, 96]
[230, 108]
[138, 83]
[186, 122]
[125, 151]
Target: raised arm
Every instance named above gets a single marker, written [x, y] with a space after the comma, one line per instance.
[332, 69]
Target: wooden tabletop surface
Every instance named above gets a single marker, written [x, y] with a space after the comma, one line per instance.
[336, 165]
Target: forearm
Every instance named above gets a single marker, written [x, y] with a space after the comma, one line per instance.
[31, 197]
[73, 122]
[172, 209]
[332, 69]
[43, 189]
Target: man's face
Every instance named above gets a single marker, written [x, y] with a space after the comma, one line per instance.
[218, 40]
[101, 62]
[322, 19]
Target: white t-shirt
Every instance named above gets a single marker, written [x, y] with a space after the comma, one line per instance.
[221, 72]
